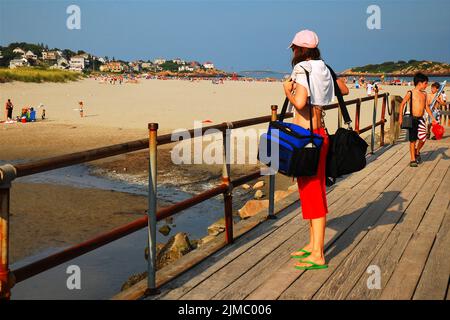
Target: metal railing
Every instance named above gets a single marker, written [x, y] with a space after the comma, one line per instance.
[8, 172]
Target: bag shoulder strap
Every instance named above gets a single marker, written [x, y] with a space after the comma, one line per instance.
[341, 102]
[410, 102]
[286, 102]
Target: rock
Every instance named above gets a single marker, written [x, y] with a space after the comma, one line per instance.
[205, 240]
[280, 194]
[169, 220]
[178, 246]
[258, 194]
[159, 246]
[294, 187]
[135, 278]
[246, 186]
[217, 227]
[195, 243]
[252, 207]
[165, 230]
[258, 185]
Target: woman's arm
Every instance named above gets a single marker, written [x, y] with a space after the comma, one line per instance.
[299, 99]
[342, 86]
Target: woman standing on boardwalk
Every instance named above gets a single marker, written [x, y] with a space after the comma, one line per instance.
[306, 59]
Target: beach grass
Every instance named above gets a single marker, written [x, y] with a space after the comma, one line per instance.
[37, 75]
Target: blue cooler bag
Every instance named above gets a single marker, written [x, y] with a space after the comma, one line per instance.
[298, 148]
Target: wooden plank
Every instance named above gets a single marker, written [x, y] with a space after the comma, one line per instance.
[435, 277]
[403, 281]
[284, 276]
[352, 180]
[355, 264]
[264, 270]
[309, 283]
[397, 241]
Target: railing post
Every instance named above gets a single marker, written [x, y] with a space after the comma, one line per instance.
[374, 121]
[339, 118]
[271, 214]
[383, 115]
[357, 115]
[151, 213]
[7, 175]
[228, 195]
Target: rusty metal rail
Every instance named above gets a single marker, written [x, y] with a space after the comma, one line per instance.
[9, 172]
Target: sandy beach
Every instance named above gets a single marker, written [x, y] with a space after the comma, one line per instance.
[114, 114]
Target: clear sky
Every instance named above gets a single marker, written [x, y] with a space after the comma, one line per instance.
[236, 35]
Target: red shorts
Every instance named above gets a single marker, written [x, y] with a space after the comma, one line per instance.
[313, 193]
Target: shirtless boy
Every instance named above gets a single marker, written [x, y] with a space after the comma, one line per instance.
[419, 106]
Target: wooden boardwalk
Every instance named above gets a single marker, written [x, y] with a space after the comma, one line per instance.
[389, 220]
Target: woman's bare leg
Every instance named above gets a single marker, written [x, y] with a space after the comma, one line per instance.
[309, 246]
[317, 255]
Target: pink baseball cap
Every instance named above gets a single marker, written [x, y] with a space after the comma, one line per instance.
[306, 39]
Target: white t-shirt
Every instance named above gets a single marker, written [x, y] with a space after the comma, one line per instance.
[444, 96]
[321, 81]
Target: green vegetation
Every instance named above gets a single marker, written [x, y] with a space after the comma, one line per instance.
[37, 75]
[404, 67]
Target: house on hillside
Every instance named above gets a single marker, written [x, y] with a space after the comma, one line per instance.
[61, 64]
[114, 66]
[30, 55]
[185, 68]
[208, 65]
[194, 65]
[77, 63]
[50, 55]
[146, 65]
[16, 63]
[159, 61]
[178, 61]
[19, 51]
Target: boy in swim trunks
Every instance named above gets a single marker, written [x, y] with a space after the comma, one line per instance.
[419, 106]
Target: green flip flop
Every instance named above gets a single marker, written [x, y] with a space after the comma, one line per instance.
[313, 266]
[305, 255]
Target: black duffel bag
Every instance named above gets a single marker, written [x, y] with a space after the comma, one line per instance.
[347, 151]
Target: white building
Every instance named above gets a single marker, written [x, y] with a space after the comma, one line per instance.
[208, 65]
[185, 68]
[159, 61]
[178, 61]
[16, 63]
[50, 55]
[19, 51]
[146, 65]
[30, 55]
[77, 63]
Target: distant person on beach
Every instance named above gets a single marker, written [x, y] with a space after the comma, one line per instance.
[369, 87]
[81, 109]
[9, 109]
[419, 127]
[312, 190]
